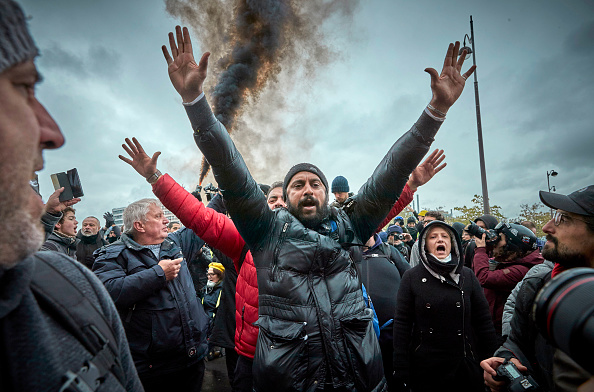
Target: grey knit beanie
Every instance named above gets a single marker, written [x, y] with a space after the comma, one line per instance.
[16, 44]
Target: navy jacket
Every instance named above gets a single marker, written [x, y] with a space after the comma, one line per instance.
[164, 323]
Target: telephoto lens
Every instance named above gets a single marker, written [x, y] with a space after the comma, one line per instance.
[564, 313]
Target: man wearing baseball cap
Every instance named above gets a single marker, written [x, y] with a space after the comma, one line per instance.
[570, 244]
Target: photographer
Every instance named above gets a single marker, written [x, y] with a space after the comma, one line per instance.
[396, 238]
[570, 244]
[514, 253]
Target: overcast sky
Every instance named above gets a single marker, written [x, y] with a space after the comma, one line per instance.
[105, 79]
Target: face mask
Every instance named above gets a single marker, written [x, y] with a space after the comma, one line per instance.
[445, 260]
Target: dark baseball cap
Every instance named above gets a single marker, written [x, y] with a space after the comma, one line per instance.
[394, 229]
[579, 202]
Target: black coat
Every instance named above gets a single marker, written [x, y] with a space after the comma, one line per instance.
[165, 325]
[314, 326]
[223, 332]
[442, 330]
[382, 268]
[86, 247]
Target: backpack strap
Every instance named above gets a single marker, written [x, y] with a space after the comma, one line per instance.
[69, 307]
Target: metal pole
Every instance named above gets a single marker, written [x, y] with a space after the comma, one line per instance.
[418, 205]
[479, 128]
[549, 186]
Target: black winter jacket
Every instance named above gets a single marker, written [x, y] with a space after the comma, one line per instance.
[164, 323]
[524, 341]
[382, 268]
[314, 326]
[86, 246]
[223, 332]
[442, 330]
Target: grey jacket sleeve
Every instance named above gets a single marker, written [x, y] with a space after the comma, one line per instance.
[124, 356]
[415, 257]
[48, 221]
[510, 304]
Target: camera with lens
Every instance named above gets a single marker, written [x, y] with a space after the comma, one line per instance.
[210, 191]
[516, 381]
[564, 313]
[400, 237]
[475, 230]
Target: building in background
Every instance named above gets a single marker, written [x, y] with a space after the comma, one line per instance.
[118, 213]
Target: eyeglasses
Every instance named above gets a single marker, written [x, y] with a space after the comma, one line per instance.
[561, 217]
[210, 274]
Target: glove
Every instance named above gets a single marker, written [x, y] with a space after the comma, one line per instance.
[109, 221]
[197, 195]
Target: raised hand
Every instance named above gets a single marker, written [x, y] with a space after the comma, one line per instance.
[109, 220]
[55, 206]
[448, 86]
[140, 161]
[186, 76]
[426, 170]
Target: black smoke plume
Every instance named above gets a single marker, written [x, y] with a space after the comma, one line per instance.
[255, 43]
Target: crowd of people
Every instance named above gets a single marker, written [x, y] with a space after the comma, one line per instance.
[299, 293]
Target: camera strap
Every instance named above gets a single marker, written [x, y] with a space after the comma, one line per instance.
[70, 308]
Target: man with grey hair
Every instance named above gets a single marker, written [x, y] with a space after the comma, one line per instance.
[59, 328]
[147, 276]
[90, 239]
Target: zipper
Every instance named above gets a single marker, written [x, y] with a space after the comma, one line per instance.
[463, 323]
[277, 251]
[242, 321]
[129, 315]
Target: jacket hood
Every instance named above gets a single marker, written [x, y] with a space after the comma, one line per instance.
[490, 221]
[456, 245]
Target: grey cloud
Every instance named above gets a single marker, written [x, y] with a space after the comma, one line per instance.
[580, 41]
[56, 57]
[98, 61]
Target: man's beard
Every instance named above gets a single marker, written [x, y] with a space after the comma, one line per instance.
[210, 283]
[311, 221]
[566, 259]
[21, 234]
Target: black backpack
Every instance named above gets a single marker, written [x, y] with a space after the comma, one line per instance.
[60, 298]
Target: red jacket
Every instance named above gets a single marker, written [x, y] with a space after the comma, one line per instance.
[219, 232]
[498, 284]
[405, 198]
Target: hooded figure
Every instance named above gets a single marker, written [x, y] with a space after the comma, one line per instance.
[489, 220]
[442, 325]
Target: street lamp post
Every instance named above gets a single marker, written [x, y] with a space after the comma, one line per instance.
[551, 173]
[478, 119]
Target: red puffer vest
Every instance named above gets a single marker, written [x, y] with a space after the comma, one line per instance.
[219, 232]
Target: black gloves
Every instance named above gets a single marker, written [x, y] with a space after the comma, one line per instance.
[109, 221]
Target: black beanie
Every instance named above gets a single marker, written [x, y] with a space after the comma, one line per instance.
[308, 167]
[340, 184]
